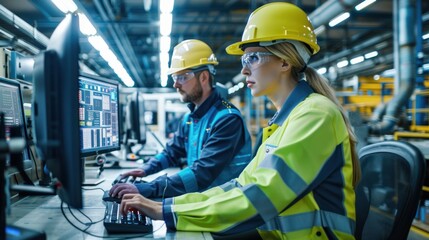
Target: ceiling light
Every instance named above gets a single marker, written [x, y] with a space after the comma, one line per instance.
[165, 22]
[164, 44]
[426, 36]
[166, 6]
[389, 73]
[364, 4]
[339, 19]
[98, 42]
[357, 60]
[342, 64]
[85, 26]
[371, 54]
[65, 6]
[322, 70]
[320, 30]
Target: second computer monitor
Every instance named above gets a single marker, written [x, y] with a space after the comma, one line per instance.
[98, 115]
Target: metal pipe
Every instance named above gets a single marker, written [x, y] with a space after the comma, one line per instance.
[126, 51]
[363, 46]
[329, 10]
[407, 64]
[24, 27]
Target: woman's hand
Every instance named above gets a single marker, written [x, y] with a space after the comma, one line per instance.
[132, 202]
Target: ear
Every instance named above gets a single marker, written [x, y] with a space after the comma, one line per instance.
[286, 66]
[204, 76]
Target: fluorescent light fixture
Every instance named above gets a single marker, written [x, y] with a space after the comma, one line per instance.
[426, 66]
[371, 54]
[166, 6]
[339, 19]
[98, 42]
[322, 70]
[357, 60]
[65, 6]
[320, 29]
[163, 61]
[107, 55]
[426, 36]
[165, 22]
[389, 73]
[364, 4]
[342, 64]
[86, 27]
[164, 44]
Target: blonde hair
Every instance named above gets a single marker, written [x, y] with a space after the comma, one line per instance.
[288, 52]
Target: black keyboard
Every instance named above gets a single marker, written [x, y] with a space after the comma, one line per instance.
[128, 179]
[134, 222]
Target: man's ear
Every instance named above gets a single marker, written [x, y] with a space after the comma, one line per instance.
[204, 76]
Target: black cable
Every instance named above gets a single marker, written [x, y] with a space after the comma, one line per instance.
[94, 235]
[88, 224]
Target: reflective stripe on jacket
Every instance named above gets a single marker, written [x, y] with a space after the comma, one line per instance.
[298, 186]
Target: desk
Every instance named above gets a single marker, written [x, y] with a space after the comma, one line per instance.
[43, 213]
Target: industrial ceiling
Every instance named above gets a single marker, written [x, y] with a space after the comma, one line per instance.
[131, 29]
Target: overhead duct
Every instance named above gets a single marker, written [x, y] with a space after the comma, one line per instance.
[405, 64]
[330, 9]
[357, 48]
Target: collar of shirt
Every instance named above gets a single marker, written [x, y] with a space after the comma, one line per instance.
[298, 94]
[203, 108]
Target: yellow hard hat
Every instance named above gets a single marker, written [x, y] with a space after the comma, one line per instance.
[274, 22]
[191, 53]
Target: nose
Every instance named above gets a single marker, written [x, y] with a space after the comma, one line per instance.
[176, 84]
[245, 71]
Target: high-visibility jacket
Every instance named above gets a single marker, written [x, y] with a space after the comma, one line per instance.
[215, 141]
[298, 186]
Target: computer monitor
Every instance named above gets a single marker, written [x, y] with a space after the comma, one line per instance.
[55, 110]
[11, 105]
[135, 127]
[98, 115]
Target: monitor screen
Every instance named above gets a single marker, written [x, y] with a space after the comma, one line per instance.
[11, 105]
[98, 115]
[55, 110]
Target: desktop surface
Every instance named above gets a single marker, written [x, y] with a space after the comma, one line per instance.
[43, 213]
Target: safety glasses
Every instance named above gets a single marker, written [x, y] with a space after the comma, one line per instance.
[185, 77]
[253, 59]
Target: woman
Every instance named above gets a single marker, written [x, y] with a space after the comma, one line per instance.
[300, 184]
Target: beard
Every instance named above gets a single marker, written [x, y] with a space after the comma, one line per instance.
[194, 95]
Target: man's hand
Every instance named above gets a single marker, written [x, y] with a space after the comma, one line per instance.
[135, 173]
[118, 190]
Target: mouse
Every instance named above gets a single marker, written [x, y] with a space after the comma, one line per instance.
[108, 198]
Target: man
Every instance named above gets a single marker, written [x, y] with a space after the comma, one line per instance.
[213, 136]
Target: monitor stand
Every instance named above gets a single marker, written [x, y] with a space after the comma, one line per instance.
[94, 180]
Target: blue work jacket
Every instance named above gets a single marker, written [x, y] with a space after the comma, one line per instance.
[214, 140]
